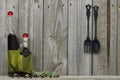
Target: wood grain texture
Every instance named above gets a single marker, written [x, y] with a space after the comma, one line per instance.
[66, 78]
[3, 53]
[6, 23]
[118, 38]
[55, 35]
[12, 22]
[89, 79]
[79, 63]
[57, 30]
[24, 17]
[113, 38]
[100, 60]
[36, 33]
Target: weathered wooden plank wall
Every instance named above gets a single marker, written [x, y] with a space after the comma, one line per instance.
[118, 37]
[3, 37]
[100, 60]
[66, 78]
[79, 63]
[55, 35]
[57, 31]
[113, 37]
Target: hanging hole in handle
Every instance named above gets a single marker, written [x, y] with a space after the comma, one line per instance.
[88, 7]
[96, 8]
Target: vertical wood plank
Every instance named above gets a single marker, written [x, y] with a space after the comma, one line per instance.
[113, 38]
[100, 60]
[36, 32]
[6, 23]
[89, 79]
[79, 63]
[24, 17]
[55, 35]
[3, 38]
[12, 22]
[118, 42]
[73, 20]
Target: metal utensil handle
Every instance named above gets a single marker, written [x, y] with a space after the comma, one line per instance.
[88, 8]
[95, 8]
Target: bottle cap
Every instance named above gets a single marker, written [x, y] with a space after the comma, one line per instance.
[26, 35]
[10, 13]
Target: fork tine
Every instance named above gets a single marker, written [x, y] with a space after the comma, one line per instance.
[86, 49]
[90, 49]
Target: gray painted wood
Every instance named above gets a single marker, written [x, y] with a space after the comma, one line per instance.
[7, 24]
[55, 36]
[36, 34]
[12, 22]
[3, 53]
[79, 63]
[118, 38]
[113, 38]
[66, 78]
[100, 60]
[24, 17]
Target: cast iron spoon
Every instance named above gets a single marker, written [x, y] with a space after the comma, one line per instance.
[96, 43]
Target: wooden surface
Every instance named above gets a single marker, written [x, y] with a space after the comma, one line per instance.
[55, 35]
[79, 63]
[3, 38]
[100, 60]
[113, 37]
[66, 78]
[118, 38]
[57, 30]
[36, 33]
